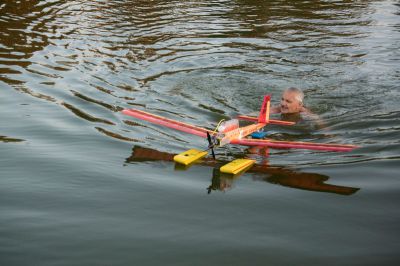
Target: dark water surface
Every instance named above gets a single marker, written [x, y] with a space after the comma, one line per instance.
[82, 184]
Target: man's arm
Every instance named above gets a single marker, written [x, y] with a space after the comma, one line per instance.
[314, 117]
[306, 111]
[275, 109]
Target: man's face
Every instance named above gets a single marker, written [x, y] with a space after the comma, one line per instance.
[289, 103]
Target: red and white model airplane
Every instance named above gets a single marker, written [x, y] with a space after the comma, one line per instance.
[229, 132]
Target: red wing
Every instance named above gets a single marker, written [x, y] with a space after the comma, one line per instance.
[294, 145]
[270, 121]
[199, 131]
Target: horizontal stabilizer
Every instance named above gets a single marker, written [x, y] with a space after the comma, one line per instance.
[271, 121]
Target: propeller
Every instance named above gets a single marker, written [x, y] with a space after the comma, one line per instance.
[211, 144]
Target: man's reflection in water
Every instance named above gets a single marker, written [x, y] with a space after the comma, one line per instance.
[274, 175]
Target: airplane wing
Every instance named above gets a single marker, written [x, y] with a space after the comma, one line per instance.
[294, 144]
[198, 131]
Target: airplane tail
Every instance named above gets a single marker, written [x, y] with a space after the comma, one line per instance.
[263, 117]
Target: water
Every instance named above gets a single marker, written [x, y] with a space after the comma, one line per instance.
[82, 184]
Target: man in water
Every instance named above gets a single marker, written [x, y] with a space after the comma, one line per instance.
[291, 102]
[292, 108]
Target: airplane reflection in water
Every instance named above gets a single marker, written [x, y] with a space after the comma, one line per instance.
[274, 175]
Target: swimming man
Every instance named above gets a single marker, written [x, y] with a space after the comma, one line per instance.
[291, 102]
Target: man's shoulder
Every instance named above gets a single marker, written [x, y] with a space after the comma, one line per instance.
[275, 110]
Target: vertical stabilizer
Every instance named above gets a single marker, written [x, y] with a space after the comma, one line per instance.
[264, 111]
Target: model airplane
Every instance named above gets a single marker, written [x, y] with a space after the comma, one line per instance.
[229, 132]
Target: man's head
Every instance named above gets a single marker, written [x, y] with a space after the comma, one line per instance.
[292, 101]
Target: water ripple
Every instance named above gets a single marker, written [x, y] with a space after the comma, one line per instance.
[201, 62]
